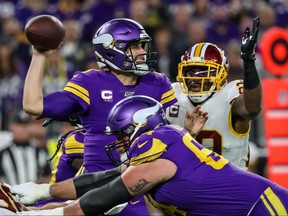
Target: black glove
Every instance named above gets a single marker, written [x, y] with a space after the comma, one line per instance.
[73, 119]
[249, 41]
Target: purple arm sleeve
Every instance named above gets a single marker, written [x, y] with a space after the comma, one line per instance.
[58, 105]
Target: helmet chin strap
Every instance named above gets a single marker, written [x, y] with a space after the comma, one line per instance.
[141, 69]
[124, 156]
[138, 69]
[199, 98]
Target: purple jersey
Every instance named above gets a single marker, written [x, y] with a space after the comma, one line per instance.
[72, 148]
[97, 92]
[205, 183]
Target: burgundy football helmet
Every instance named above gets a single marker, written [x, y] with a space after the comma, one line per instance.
[203, 70]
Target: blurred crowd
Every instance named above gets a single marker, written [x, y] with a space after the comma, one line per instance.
[174, 25]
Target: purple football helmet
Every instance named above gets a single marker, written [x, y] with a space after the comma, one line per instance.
[132, 117]
[112, 40]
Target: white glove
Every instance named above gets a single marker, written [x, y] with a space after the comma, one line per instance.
[116, 209]
[31, 192]
[49, 212]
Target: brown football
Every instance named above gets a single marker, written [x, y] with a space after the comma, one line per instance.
[44, 32]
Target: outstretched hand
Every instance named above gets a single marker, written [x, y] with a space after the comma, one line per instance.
[249, 41]
[195, 120]
[31, 192]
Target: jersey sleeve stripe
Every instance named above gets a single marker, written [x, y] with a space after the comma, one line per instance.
[78, 94]
[79, 88]
[72, 143]
[75, 145]
[74, 151]
[80, 171]
[172, 97]
[273, 203]
[168, 96]
[168, 93]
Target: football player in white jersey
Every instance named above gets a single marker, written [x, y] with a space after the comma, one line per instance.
[231, 106]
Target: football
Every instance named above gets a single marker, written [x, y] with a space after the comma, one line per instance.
[44, 32]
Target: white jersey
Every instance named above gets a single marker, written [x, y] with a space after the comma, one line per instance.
[217, 134]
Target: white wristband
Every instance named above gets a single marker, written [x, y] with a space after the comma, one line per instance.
[44, 190]
[31, 192]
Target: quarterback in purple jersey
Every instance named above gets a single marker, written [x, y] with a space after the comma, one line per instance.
[123, 54]
[179, 175]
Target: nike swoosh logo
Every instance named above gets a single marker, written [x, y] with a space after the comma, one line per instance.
[76, 75]
[142, 144]
[134, 203]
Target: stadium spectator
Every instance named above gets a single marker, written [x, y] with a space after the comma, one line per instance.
[181, 16]
[235, 63]
[67, 9]
[27, 9]
[11, 28]
[74, 50]
[101, 12]
[281, 12]
[220, 28]
[267, 15]
[11, 84]
[196, 32]
[162, 45]
[158, 13]
[201, 10]
[138, 11]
